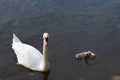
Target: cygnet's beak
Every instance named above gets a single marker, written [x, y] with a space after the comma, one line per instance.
[46, 41]
[93, 57]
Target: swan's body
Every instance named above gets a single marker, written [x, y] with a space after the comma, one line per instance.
[29, 56]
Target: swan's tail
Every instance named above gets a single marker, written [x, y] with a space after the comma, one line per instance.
[15, 39]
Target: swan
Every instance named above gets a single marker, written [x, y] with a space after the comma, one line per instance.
[30, 57]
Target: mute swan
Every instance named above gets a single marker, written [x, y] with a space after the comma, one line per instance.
[29, 56]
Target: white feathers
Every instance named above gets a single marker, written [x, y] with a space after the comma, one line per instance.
[28, 56]
[15, 38]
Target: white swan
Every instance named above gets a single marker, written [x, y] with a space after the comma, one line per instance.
[29, 56]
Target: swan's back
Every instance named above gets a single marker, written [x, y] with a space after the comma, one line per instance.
[27, 55]
[16, 39]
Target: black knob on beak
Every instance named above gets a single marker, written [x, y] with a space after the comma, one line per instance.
[46, 38]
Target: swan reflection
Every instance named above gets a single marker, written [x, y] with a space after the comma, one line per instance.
[45, 75]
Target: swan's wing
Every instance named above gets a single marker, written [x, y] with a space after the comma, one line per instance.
[27, 55]
[16, 39]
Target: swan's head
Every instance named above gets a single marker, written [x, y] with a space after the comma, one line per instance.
[45, 37]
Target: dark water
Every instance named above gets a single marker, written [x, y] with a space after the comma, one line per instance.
[74, 26]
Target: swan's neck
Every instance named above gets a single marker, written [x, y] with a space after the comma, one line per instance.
[45, 51]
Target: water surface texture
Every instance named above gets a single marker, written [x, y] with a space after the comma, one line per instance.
[74, 26]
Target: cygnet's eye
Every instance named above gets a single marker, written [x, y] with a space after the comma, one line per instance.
[89, 53]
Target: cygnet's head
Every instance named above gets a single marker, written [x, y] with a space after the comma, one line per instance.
[91, 55]
[45, 37]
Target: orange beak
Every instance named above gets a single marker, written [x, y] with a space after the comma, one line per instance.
[46, 43]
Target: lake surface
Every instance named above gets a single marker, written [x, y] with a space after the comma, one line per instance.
[74, 26]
